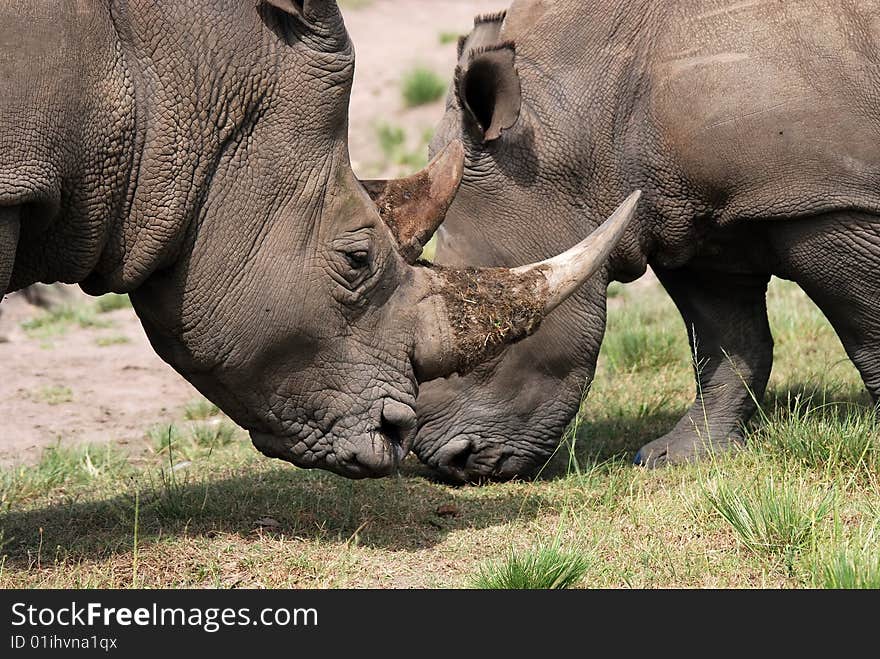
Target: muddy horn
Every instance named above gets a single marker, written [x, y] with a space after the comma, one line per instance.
[415, 207]
[475, 313]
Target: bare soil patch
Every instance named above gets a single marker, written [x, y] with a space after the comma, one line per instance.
[103, 384]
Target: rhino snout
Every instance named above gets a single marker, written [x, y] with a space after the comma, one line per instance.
[379, 452]
[375, 452]
[463, 460]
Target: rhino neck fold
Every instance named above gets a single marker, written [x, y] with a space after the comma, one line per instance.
[9, 230]
[191, 111]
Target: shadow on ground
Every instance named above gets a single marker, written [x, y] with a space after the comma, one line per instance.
[618, 438]
[409, 512]
[400, 513]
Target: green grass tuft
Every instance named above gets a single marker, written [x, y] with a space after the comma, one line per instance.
[55, 395]
[164, 438]
[836, 438]
[643, 339]
[422, 86]
[61, 466]
[446, 38]
[200, 409]
[400, 156]
[848, 569]
[112, 302]
[214, 433]
[56, 322]
[196, 441]
[543, 568]
[113, 340]
[771, 516]
[615, 289]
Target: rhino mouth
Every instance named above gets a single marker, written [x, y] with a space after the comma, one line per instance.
[375, 453]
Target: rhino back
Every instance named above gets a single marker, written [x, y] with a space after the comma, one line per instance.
[66, 133]
[769, 109]
[720, 109]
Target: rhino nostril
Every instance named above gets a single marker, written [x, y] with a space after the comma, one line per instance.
[398, 414]
[460, 460]
[455, 455]
[391, 432]
[398, 425]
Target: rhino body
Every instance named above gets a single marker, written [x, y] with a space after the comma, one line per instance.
[193, 153]
[753, 129]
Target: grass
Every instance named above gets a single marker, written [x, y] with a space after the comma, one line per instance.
[59, 469]
[111, 340]
[201, 508]
[422, 86]
[214, 434]
[836, 437]
[543, 568]
[446, 38]
[769, 516]
[112, 302]
[394, 145]
[200, 409]
[54, 395]
[848, 569]
[642, 338]
[186, 442]
[56, 322]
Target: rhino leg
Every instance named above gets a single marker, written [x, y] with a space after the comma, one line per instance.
[726, 318]
[836, 260]
[9, 229]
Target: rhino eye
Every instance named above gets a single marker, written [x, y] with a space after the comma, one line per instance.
[354, 261]
[358, 259]
[355, 266]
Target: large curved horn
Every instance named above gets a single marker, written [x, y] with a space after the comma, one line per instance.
[570, 270]
[415, 207]
[474, 314]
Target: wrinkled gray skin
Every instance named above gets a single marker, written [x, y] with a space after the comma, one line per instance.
[753, 130]
[193, 153]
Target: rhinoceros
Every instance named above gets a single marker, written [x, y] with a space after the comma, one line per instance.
[752, 129]
[193, 153]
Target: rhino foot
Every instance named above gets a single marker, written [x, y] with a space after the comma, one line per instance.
[678, 447]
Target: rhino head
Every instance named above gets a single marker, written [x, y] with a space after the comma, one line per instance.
[530, 183]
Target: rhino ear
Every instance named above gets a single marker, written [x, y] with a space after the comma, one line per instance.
[319, 18]
[489, 89]
[293, 7]
[306, 9]
[487, 31]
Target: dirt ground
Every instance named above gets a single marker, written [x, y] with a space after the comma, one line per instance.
[107, 384]
[391, 37]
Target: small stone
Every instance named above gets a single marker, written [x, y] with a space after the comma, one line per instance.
[448, 510]
[268, 523]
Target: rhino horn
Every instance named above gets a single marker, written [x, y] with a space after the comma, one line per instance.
[415, 207]
[475, 313]
[565, 273]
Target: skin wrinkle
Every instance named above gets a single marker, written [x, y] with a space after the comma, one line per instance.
[83, 166]
[251, 255]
